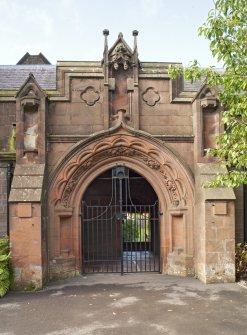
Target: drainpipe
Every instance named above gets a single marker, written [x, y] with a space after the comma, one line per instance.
[9, 180]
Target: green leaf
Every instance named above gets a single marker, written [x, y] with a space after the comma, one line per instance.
[226, 30]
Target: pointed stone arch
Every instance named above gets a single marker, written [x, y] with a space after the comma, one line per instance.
[170, 178]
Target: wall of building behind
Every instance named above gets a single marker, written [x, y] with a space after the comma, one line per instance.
[239, 214]
[7, 122]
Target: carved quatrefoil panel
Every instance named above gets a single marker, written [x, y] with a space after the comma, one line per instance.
[150, 96]
[90, 96]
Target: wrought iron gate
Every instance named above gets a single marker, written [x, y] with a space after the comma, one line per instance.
[121, 236]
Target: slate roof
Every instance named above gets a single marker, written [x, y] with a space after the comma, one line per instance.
[13, 76]
[192, 87]
[33, 59]
[195, 87]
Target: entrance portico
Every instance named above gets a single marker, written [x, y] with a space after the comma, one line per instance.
[83, 122]
[124, 147]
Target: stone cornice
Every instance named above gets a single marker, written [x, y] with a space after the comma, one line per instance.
[78, 64]
[67, 70]
[76, 138]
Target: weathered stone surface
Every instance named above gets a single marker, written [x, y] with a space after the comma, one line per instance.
[25, 194]
[24, 210]
[207, 172]
[27, 185]
[216, 227]
[27, 181]
[29, 170]
[26, 244]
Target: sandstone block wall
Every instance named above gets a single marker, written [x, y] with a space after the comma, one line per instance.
[25, 236]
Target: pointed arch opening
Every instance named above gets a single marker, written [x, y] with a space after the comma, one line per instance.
[168, 178]
[120, 224]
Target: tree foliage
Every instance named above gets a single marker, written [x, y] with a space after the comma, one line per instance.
[241, 260]
[4, 266]
[226, 28]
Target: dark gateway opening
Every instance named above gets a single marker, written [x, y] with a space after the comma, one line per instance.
[120, 224]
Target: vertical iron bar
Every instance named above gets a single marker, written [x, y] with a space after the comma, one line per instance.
[152, 230]
[102, 237]
[145, 234]
[140, 237]
[131, 242]
[88, 244]
[154, 244]
[158, 228]
[150, 236]
[126, 253]
[111, 240]
[121, 221]
[97, 237]
[115, 224]
[116, 239]
[106, 239]
[83, 237]
[88, 239]
[136, 245]
[93, 237]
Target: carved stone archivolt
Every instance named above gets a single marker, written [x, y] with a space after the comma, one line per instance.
[90, 96]
[150, 96]
[120, 147]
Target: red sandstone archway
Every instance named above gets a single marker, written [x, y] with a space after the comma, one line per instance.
[169, 178]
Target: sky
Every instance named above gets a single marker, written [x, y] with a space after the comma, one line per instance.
[72, 29]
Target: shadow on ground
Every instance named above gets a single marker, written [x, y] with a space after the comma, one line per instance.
[131, 304]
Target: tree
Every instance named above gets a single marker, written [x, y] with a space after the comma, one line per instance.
[226, 28]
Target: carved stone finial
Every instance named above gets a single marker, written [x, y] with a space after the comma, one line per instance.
[120, 35]
[135, 51]
[120, 55]
[120, 116]
[105, 32]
